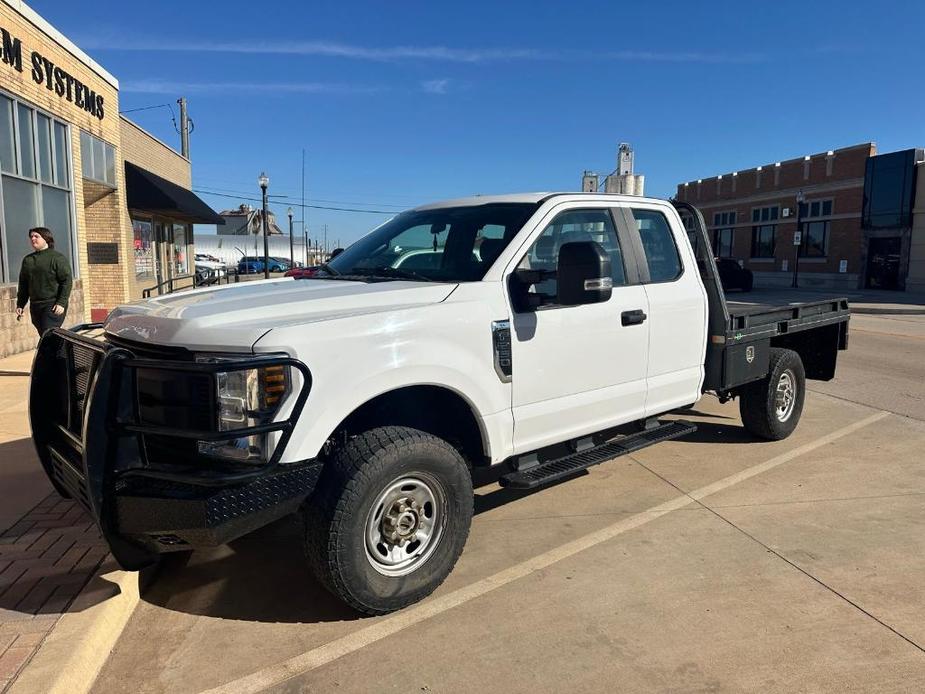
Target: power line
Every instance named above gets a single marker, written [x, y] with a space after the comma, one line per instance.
[147, 108]
[314, 207]
[224, 184]
[216, 191]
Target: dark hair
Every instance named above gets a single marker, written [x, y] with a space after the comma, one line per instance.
[46, 234]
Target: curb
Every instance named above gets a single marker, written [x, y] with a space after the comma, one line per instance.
[77, 648]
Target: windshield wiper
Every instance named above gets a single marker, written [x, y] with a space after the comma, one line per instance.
[390, 273]
[328, 269]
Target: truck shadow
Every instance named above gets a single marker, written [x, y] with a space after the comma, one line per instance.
[716, 432]
[262, 577]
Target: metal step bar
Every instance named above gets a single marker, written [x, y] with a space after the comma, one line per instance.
[565, 466]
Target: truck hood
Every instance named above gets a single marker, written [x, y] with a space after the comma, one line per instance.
[234, 317]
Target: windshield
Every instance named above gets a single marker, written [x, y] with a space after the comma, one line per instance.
[450, 244]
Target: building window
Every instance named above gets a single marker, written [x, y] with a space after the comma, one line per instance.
[35, 185]
[817, 208]
[722, 219]
[143, 231]
[763, 241]
[722, 235]
[815, 239]
[98, 159]
[765, 214]
[722, 243]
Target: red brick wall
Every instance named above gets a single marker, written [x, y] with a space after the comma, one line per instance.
[838, 177]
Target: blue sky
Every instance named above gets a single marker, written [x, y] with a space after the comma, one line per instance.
[402, 103]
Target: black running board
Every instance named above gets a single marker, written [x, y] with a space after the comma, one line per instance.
[568, 465]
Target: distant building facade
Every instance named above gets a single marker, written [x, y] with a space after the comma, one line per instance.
[859, 224]
[246, 220]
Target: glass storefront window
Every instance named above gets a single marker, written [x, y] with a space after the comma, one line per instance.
[62, 169]
[26, 148]
[43, 133]
[21, 213]
[143, 231]
[56, 215]
[181, 262]
[33, 148]
[7, 153]
[86, 155]
[98, 159]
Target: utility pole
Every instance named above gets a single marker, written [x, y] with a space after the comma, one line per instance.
[325, 239]
[184, 127]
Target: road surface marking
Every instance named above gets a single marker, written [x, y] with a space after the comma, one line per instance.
[322, 655]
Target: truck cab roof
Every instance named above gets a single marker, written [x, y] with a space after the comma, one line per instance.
[535, 198]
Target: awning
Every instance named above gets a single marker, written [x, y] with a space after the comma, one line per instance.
[148, 192]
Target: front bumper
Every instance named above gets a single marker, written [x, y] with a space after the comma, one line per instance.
[87, 431]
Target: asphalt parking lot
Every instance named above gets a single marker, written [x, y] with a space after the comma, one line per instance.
[711, 563]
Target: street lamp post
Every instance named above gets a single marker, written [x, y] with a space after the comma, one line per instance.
[264, 181]
[796, 256]
[291, 251]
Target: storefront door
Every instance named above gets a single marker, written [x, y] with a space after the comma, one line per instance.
[883, 263]
[162, 252]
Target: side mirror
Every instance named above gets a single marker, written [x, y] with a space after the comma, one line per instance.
[583, 274]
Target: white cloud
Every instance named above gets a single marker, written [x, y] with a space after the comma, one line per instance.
[118, 41]
[435, 86]
[159, 86]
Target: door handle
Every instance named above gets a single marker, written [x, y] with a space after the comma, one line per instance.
[633, 317]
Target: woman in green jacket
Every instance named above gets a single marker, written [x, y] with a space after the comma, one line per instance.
[44, 282]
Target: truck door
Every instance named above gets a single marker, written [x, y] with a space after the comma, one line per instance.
[677, 308]
[578, 369]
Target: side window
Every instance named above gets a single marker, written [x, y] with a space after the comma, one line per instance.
[659, 245]
[574, 225]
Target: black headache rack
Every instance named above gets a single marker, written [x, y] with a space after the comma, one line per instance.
[739, 343]
[144, 483]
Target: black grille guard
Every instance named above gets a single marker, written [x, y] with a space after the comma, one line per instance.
[91, 442]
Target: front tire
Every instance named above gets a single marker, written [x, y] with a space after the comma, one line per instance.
[771, 407]
[389, 518]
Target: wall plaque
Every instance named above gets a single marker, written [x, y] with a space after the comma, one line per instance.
[103, 253]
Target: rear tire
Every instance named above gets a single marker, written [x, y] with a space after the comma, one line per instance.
[771, 407]
[389, 518]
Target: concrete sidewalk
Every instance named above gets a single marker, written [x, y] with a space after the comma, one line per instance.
[870, 301]
[49, 548]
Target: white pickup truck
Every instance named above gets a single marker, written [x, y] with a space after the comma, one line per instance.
[544, 333]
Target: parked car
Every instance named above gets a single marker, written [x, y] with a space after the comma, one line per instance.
[552, 351]
[734, 276]
[302, 272]
[249, 265]
[209, 269]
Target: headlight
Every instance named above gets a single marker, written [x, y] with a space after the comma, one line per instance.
[246, 398]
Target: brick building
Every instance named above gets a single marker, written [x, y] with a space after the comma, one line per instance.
[857, 219]
[117, 199]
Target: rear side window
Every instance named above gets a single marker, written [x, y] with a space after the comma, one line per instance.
[659, 245]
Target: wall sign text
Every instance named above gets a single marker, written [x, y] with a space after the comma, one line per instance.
[55, 78]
